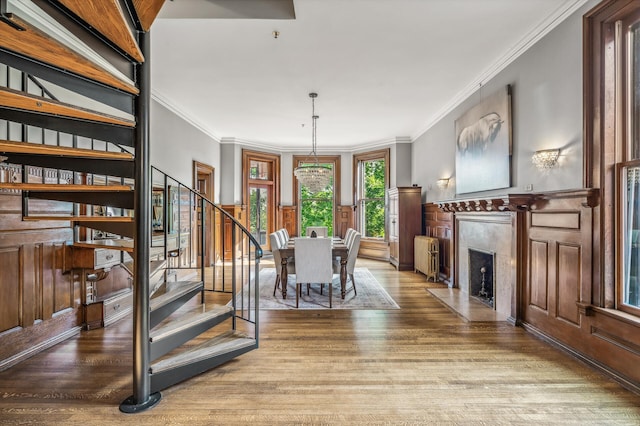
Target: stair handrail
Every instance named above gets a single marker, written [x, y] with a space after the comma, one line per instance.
[251, 240]
[198, 194]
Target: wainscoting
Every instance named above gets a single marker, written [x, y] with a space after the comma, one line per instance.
[39, 296]
[547, 276]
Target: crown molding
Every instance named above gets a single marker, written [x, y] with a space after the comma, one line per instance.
[552, 21]
[165, 102]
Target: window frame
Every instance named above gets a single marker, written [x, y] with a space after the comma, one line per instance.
[358, 200]
[322, 159]
[607, 145]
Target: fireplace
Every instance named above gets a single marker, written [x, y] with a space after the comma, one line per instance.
[481, 276]
[493, 235]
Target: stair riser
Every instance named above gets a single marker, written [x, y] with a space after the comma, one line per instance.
[118, 228]
[88, 165]
[164, 311]
[163, 346]
[94, 130]
[163, 380]
[119, 199]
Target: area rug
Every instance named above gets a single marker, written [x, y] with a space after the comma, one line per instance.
[370, 295]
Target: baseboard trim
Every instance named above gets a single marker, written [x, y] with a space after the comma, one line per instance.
[623, 381]
[17, 358]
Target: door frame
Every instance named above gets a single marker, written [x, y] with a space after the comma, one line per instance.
[208, 172]
[273, 160]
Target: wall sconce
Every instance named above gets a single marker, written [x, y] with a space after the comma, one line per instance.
[545, 158]
[442, 183]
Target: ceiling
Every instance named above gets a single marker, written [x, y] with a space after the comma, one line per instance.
[383, 69]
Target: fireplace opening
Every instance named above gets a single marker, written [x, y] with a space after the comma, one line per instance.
[481, 276]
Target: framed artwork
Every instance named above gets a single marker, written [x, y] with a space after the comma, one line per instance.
[483, 145]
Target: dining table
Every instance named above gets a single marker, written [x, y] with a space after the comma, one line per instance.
[338, 249]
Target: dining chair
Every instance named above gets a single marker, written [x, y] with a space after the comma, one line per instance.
[353, 248]
[277, 260]
[313, 264]
[348, 235]
[321, 231]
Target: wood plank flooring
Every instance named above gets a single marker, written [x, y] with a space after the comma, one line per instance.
[422, 364]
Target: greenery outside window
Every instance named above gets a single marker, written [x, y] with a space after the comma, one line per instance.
[317, 208]
[371, 173]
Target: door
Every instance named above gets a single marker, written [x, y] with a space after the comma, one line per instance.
[203, 177]
[260, 202]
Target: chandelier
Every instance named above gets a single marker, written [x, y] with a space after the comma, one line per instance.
[314, 176]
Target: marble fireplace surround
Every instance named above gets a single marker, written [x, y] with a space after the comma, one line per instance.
[494, 233]
[490, 225]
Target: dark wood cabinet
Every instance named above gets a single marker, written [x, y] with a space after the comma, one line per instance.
[404, 222]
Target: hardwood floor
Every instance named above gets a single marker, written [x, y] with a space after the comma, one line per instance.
[422, 364]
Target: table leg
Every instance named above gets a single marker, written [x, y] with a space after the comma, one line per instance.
[343, 276]
[283, 277]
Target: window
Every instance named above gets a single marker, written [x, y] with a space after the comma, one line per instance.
[371, 175]
[317, 209]
[612, 93]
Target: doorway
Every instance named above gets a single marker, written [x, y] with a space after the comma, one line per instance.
[260, 198]
[261, 192]
[203, 183]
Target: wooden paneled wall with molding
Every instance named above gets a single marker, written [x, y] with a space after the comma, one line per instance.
[439, 224]
[37, 289]
[558, 296]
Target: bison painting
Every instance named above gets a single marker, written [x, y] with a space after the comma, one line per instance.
[476, 137]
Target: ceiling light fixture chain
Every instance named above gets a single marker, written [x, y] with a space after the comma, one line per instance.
[314, 176]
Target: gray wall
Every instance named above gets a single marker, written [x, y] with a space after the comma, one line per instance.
[546, 113]
[176, 143]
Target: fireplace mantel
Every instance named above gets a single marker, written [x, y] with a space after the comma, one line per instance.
[516, 202]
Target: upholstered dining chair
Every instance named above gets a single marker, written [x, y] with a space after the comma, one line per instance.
[348, 236]
[321, 231]
[277, 260]
[353, 246]
[313, 264]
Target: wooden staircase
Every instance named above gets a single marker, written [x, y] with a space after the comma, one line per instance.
[114, 178]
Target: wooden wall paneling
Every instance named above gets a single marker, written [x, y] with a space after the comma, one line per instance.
[440, 225]
[605, 338]
[289, 219]
[10, 284]
[344, 220]
[374, 249]
[62, 285]
[237, 212]
[538, 281]
[568, 282]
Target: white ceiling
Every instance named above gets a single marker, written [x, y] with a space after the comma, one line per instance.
[383, 69]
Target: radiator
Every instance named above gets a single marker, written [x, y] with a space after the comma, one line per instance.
[426, 256]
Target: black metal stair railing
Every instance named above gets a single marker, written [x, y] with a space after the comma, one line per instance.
[201, 240]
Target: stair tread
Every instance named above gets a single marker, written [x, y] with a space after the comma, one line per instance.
[64, 187]
[37, 104]
[125, 219]
[60, 151]
[156, 265]
[109, 20]
[117, 244]
[34, 43]
[224, 343]
[180, 288]
[189, 319]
